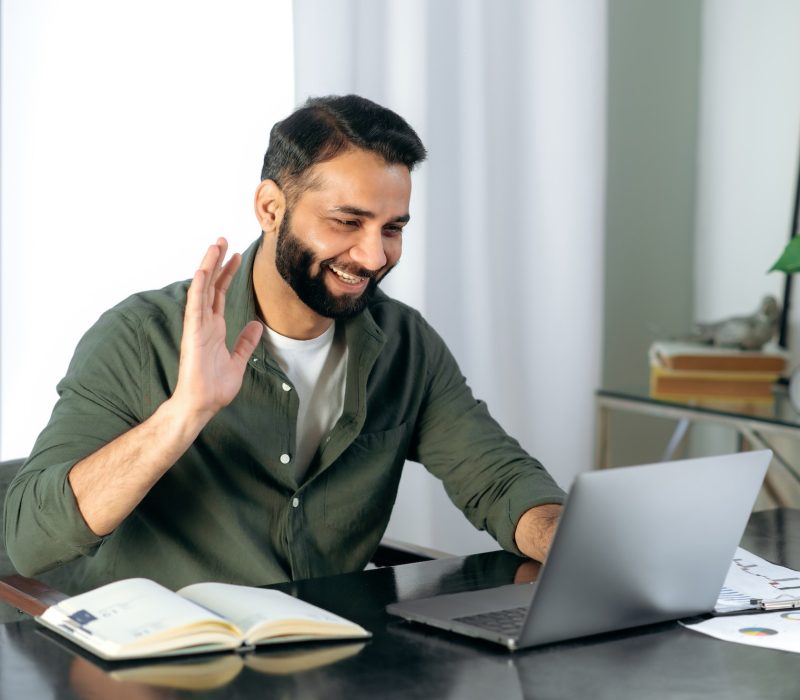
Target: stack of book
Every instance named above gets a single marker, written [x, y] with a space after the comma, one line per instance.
[691, 372]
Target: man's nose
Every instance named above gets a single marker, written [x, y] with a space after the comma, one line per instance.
[368, 251]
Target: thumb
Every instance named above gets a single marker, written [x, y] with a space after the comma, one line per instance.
[247, 341]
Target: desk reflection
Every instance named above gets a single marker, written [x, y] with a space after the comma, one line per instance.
[51, 660]
[159, 681]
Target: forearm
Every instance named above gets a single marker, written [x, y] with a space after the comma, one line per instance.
[535, 530]
[111, 482]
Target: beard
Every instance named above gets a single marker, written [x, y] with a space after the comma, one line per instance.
[294, 262]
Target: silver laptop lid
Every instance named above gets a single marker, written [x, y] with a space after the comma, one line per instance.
[635, 545]
[638, 545]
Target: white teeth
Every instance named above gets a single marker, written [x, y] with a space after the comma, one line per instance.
[345, 277]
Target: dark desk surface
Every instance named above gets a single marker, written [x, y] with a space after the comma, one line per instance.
[407, 661]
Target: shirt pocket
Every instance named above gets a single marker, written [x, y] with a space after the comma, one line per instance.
[361, 486]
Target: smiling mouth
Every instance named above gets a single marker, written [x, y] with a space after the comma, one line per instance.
[347, 277]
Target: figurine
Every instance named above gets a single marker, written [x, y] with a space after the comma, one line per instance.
[744, 332]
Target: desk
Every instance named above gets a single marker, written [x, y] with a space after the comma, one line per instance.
[408, 661]
[755, 429]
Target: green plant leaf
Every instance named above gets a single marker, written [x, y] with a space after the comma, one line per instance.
[790, 257]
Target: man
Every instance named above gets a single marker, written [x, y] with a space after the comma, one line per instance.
[186, 447]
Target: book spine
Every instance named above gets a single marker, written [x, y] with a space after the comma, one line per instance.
[663, 374]
[723, 364]
[682, 387]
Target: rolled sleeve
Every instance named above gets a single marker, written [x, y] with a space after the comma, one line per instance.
[99, 399]
[44, 526]
[485, 472]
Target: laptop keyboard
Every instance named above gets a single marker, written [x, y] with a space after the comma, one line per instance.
[504, 621]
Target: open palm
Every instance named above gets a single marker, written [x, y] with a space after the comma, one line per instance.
[210, 375]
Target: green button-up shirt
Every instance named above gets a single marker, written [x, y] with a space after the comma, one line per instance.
[230, 509]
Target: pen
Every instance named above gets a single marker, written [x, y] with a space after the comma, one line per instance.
[784, 604]
[759, 605]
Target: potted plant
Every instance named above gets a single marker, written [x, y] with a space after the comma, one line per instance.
[789, 261]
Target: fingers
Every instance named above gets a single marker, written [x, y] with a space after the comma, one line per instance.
[247, 341]
[222, 247]
[213, 257]
[223, 282]
[193, 315]
[211, 281]
[197, 305]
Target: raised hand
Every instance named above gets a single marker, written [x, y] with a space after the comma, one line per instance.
[210, 376]
[111, 482]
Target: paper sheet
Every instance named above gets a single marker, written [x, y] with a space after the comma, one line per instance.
[776, 630]
[750, 576]
[753, 577]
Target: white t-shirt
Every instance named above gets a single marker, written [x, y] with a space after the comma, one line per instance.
[317, 369]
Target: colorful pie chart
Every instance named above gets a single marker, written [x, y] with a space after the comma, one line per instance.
[757, 631]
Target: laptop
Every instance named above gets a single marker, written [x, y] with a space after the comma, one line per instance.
[634, 546]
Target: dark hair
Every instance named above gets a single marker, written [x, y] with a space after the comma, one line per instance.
[324, 127]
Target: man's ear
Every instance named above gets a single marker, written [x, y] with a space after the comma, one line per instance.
[270, 205]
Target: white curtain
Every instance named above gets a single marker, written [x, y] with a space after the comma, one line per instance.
[504, 252]
[132, 136]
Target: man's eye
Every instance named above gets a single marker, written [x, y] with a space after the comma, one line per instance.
[349, 223]
[393, 230]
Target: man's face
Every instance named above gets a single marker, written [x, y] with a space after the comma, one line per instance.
[344, 233]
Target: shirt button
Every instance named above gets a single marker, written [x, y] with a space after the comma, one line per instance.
[285, 459]
[286, 387]
[295, 502]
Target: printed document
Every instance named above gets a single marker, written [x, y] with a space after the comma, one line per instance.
[753, 577]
